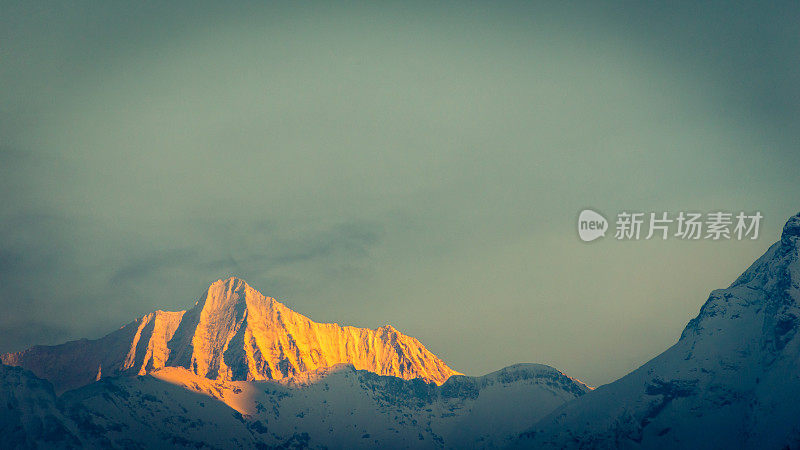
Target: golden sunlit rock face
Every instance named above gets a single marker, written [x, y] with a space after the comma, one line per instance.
[233, 333]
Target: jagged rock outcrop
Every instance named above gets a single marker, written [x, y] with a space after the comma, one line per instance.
[232, 333]
[132, 350]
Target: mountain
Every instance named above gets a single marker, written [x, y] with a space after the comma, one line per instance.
[240, 370]
[232, 333]
[30, 416]
[335, 407]
[731, 381]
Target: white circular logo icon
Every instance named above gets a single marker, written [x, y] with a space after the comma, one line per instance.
[591, 225]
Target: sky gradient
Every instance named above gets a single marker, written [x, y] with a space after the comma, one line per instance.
[418, 164]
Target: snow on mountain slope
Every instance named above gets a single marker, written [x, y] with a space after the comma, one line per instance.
[232, 333]
[335, 407]
[463, 411]
[731, 381]
[29, 415]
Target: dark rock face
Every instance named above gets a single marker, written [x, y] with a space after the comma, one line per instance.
[791, 231]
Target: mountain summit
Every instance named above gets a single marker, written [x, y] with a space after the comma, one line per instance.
[232, 333]
[731, 380]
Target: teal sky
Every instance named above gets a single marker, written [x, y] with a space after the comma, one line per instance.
[418, 164]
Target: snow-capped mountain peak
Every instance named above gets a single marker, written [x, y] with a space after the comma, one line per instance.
[232, 333]
[727, 382]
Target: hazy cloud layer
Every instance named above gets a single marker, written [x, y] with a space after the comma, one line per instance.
[413, 163]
